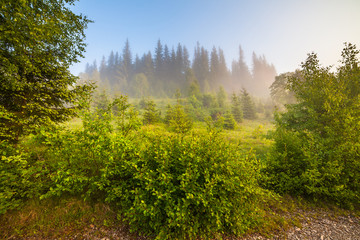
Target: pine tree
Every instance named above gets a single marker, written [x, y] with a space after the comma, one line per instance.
[159, 59]
[177, 120]
[223, 72]
[229, 121]
[221, 97]
[151, 114]
[241, 76]
[214, 68]
[263, 76]
[247, 105]
[126, 63]
[236, 108]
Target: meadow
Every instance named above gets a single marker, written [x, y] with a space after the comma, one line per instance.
[145, 168]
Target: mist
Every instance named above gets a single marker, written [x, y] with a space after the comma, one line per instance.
[164, 71]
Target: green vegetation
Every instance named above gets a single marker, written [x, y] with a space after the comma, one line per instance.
[34, 61]
[163, 184]
[198, 167]
[316, 151]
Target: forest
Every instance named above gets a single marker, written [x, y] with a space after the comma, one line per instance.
[161, 147]
[162, 73]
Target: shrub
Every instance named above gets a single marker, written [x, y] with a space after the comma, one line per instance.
[186, 187]
[78, 157]
[19, 178]
[177, 120]
[317, 148]
[12, 187]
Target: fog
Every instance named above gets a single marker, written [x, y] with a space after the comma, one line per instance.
[165, 70]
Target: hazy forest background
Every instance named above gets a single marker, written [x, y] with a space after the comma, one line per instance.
[169, 69]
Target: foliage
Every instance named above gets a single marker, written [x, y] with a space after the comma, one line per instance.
[279, 89]
[177, 120]
[229, 121]
[221, 97]
[78, 157]
[151, 114]
[100, 100]
[126, 117]
[236, 108]
[209, 101]
[317, 147]
[11, 182]
[39, 41]
[186, 187]
[248, 105]
[21, 177]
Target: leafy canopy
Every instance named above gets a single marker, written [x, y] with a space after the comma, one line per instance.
[39, 40]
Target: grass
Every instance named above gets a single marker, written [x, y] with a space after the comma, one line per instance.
[76, 219]
[72, 218]
[59, 218]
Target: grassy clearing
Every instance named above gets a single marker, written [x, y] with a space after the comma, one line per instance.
[55, 218]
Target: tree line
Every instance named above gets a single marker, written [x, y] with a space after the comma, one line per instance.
[166, 70]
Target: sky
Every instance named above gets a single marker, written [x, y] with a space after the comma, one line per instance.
[284, 31]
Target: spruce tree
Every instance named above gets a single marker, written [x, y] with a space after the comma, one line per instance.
[236, 109]
[151, 114]
[221, 97]
[248, 105]
[229, 121]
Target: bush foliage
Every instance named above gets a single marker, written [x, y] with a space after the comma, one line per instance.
[317, 148]
[183, 187]
[164, 184]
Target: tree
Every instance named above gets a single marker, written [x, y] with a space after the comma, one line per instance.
[247, 105]
[139, 85]
[263, 76]
[229, 121]
[236, 108]
[279, 90]
[316, 150]
[193, 85]
[39, 41]
[241, 76]
[126, 63]
[200, 66]
[151, 114]
[177, 120]
[221, 97]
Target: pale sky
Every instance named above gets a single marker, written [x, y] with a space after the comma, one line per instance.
[282, 30]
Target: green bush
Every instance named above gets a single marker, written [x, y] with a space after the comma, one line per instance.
[317, 150]
[186, 187]
[12, 185]
[78, 157]
[20, 178]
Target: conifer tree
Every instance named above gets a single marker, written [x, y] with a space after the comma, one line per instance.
[229, 121]
[177, 120]
[248, 105]
[241, 76]
[236, 109]
[221, 97]
[151, 114]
